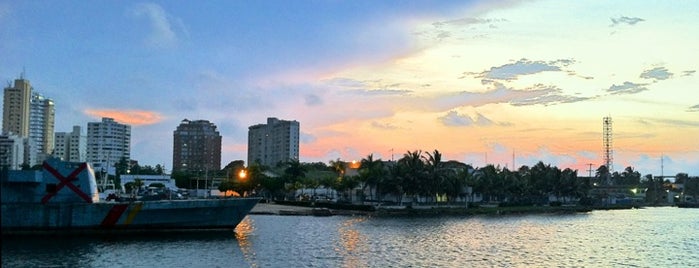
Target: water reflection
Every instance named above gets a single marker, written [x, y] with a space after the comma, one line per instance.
[242, 233]
[33, 251]
[104, 250]
[653, 237]
[353, 244]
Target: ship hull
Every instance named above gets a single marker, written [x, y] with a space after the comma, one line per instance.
[122, 216]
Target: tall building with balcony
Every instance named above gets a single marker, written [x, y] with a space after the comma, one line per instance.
[274, 142]
[28, 114]
[196, 147]
[41, 125]
[16, 106]
[107, 143]
[71, 146]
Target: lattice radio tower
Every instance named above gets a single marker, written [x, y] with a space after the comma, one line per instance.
[607, 137]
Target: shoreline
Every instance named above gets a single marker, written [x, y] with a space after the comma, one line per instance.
[296, 210]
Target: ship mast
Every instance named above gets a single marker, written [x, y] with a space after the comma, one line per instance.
[106, 178]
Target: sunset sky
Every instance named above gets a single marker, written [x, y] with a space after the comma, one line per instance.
[480, 81]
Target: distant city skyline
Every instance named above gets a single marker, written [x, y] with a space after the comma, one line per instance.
[506, 81]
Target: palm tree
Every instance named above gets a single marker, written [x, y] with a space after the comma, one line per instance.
[542, 179]
[256, 175]
[412, 172]
[294, 170]
[338, 167]
[348, 183]
[393, 183]
[466, 175]
[603, 174]
[582, 187]
[567, 184]
[525, 176]
[455, 181]
[630, 177]
[436, 174]
[372, 172]
[293, 173]
[486, 181]
[512, 185]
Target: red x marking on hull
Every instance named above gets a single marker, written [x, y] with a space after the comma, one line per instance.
[66, 181]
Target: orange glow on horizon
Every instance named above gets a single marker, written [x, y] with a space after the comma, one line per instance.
[354, 164]
[129, 117]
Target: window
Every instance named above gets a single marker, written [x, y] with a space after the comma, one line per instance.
[51, 188]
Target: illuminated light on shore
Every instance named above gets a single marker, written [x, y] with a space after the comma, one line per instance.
[354, 164]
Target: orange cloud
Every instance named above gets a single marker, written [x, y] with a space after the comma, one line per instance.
[129, 117]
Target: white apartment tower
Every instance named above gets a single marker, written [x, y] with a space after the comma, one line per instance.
[71, 146]
[107, 143]
[41, 125]
[274, 142]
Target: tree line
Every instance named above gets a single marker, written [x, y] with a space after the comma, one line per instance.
[424, 177]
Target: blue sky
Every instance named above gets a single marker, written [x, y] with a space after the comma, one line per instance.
[477, 80]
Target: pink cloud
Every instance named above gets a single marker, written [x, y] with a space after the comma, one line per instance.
[130, 117]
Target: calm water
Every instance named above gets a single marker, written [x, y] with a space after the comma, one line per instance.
[652, 237]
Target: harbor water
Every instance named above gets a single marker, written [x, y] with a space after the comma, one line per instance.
[650, 237]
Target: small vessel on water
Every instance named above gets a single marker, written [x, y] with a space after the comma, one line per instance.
[63, 198]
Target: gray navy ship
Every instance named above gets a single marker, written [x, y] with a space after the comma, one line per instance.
[62, 197]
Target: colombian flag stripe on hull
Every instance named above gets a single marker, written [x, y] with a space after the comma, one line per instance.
[132, 213]
[114, 215]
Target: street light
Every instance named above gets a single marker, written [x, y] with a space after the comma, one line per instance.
[242, 176]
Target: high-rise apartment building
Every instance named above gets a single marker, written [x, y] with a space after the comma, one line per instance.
[41, 125]
[28, 114]
[274, 142]
[107, 143]
[16, 107]
[71, 146]
[196, 147]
